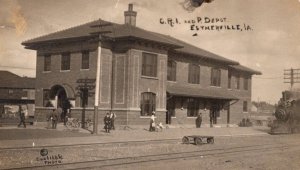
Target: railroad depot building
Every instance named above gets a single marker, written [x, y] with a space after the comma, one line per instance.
[139, 72]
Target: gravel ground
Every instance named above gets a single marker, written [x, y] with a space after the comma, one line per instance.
[30, 157]
[21, 133]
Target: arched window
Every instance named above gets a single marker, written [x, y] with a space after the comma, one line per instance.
[148, 100]
[194, 74]
[171, 76]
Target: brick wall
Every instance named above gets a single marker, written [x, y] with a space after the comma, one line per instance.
[236, 110]
[121, 71]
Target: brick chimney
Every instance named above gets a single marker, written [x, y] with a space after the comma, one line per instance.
[130, 15]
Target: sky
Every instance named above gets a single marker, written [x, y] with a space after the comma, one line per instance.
[270, 45]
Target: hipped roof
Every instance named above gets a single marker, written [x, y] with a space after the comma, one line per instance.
[119, 31]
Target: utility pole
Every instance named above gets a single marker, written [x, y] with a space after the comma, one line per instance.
[291, 76]
[98, 32]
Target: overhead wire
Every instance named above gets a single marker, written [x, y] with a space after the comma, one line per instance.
[280, 77]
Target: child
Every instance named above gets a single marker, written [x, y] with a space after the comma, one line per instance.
[159, 127]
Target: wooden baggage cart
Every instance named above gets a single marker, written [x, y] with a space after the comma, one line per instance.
[198, 140]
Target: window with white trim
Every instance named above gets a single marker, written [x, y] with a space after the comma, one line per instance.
[194, 74]
[149, 65]
[65, 61]
[215, 77]
[148, 101]
[85, 60]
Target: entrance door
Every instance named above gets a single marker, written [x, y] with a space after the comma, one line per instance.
[59, 94]
[214, 114]
[170, 110]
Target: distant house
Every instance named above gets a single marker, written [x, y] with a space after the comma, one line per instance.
[15, 90]
[139, 72]
[263, 107]
[253, 108]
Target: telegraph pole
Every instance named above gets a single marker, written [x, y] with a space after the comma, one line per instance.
[98, 32]
[291, 76]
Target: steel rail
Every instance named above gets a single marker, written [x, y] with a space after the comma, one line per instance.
[161, 157]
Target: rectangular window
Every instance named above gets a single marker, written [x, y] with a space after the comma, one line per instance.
[65, 61]
[171, 75]
[229, 80]
[24, 94]
[192, 107]
[238, 82]
[194, 74]
[47, 63]
[46, 97]
[148, 101]
[215, 77]
[85, 60]
[149, 65]
[245, 106]
[10, 91]
[246, 83]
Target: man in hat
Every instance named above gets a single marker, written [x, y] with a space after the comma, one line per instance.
[199, 120]
[22, 116]
[107, 123]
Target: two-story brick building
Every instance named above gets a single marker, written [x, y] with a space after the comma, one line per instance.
[133, 72]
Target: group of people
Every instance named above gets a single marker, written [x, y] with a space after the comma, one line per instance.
[53, 118]
[109, 122]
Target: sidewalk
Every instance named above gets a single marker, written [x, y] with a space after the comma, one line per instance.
[132, 133]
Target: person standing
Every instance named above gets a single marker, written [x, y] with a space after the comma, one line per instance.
[199, 120]
[211, 118]
[22, 116]
[107, 123]
[112, 118]
[49, 119]
[59, 113]
[152, 122]
[54, 118]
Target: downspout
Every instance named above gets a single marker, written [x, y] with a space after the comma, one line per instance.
[112, 84]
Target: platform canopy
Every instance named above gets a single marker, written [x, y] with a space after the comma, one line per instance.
[220, 94]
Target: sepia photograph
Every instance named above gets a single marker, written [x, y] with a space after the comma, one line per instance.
[147, 84]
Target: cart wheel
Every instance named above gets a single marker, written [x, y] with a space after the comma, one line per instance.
[198, 141]
[185, 140]
[79, 125]
[69, 124]
[210, 140]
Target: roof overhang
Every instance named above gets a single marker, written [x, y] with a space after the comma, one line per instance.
[220, 94]
[245, 69]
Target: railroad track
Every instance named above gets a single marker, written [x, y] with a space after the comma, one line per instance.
[99, 144]
[165, 157]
